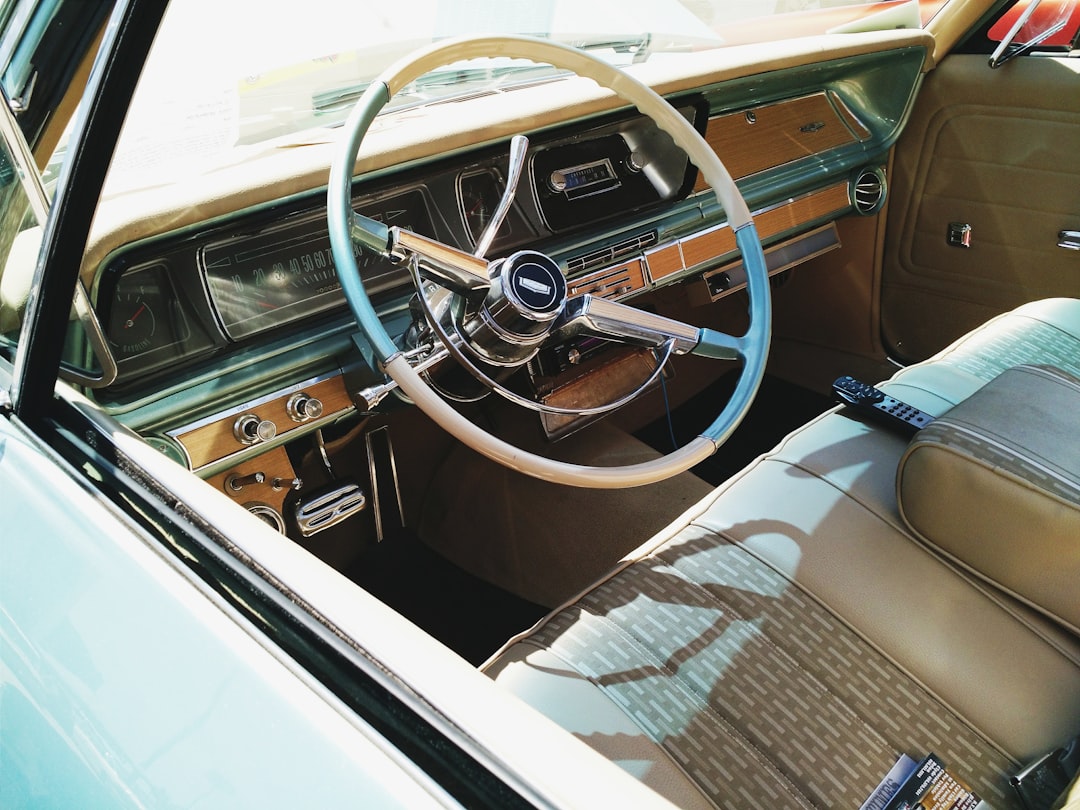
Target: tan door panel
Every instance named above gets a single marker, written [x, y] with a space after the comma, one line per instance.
[996, 150]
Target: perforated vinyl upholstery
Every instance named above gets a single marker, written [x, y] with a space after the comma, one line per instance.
[784, 641]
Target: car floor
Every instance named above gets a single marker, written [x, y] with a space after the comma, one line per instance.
[481, 553]
[467, 614]
[778, 409]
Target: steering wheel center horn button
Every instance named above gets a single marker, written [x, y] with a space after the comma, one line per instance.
[528, 293]
[532, 284]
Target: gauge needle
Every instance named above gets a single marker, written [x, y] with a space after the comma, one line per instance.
[131, 321]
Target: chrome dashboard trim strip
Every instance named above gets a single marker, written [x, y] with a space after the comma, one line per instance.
[700, 266]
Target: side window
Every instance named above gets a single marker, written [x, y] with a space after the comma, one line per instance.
[47, 49]
[1035, 26]
[20, 240]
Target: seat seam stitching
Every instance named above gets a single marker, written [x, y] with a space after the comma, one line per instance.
[550, 649]
[946, 705]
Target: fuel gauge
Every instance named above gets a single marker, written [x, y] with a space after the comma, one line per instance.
[132, 323]
[142, 314]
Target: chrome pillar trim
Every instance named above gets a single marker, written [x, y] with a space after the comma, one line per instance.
[1008, 49]
[38, 199]
[99, 345]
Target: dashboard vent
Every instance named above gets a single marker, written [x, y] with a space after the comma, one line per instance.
[868, 194]
[610, 255]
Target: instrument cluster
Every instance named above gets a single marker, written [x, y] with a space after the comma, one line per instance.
[196, 294]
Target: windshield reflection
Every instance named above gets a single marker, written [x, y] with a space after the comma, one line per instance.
[254, 71]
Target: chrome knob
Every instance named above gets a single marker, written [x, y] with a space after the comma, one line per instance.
[250, 429]
[303, 407]
[235, 482]
[279, 484]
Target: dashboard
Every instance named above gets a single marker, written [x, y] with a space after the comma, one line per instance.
[229, 332]
[229, 284]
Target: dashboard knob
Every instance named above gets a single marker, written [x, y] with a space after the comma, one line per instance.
[302, 407]
[250, 429]
[236, 482]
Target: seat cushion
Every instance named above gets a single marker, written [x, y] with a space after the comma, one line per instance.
[787, 638]
[994, 484]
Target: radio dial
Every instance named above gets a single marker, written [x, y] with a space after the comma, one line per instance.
[557, 181]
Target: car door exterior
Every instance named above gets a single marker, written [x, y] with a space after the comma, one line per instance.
[126, 679]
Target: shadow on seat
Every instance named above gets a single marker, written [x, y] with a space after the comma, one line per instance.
[786, 639]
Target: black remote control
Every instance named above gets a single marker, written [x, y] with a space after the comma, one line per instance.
[876, 403]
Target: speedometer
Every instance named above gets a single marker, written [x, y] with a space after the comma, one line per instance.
[258, 281]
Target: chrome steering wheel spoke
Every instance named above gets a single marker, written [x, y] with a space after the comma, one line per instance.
[454, 269]
[603, 318]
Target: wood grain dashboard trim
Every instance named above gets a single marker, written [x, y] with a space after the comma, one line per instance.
[275, 466]
[771, 135]
[212, 439]
[706, 247]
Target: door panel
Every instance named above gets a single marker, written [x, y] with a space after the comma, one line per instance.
[996, 150]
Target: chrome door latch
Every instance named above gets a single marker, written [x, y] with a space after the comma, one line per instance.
[959, 234]
[1070, 240]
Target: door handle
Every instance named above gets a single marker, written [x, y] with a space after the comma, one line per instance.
[1070, 240]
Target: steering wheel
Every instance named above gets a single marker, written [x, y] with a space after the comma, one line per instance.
[521, 301]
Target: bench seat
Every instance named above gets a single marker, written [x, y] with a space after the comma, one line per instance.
[787, 638]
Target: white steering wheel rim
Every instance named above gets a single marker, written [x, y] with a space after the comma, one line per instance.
[649, 103]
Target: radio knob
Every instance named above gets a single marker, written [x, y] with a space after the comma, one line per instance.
[557, 181]
[250, 429]
[302, 407]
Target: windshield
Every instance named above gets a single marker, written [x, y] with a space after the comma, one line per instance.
[262, 71]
